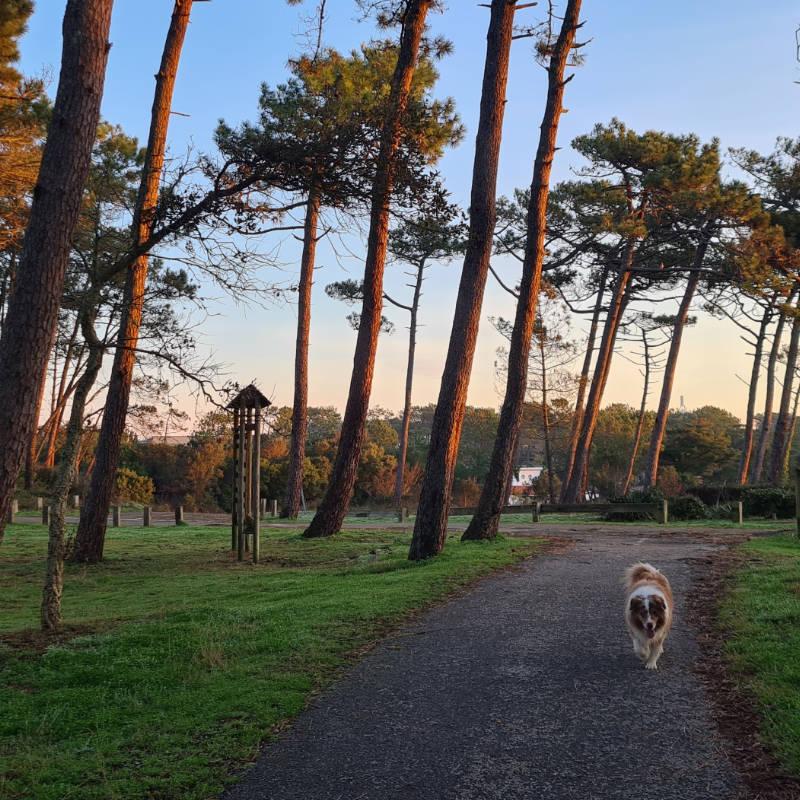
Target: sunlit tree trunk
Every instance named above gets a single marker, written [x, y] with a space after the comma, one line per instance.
[780, 438]
[485, 523]
[297, 445]
[92, 529]
[747, 445]
[573, 491]
[583, 380]
[406, 423]
[662, 414]
[332, 509]
[637, 436]
[769, 398]
[30, 325]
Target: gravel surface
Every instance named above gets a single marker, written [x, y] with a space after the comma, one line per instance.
[526, 687]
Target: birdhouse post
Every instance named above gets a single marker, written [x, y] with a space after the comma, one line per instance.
[247, 407]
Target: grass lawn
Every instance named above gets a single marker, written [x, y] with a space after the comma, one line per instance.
[762, 612]
[181, 660]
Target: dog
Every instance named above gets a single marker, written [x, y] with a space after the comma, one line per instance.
[648, 611]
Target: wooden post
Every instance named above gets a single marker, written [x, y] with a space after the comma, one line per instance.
[146, 521]
[240, 528]
[45, 514]
[256, 487]
[235, 496]
[11, 514]
[662, 513]
[179, 515]
[737, 514]
[39, 503]
[116, 516]
[76, 501]
[536, 511]
[274, 509]
[264, 502]
[402, 514]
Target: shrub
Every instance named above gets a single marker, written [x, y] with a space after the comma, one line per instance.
[133, 488]
[653, 495]
[766, 502]
[688, 507]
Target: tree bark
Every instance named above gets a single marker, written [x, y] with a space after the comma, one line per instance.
[766, 418]
[548, 450]
[747, 446]
[662, 414]
[637, 436]
[583, 381]
[67, 471]
[297, 446]
[406, 424]
[32, 452]
[780, 438]
[573, 491]
[486, 522]
[331, 511]
[30, 325]
[92, 529]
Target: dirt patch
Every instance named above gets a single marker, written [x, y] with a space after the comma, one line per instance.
[734, 709]
[35, 642]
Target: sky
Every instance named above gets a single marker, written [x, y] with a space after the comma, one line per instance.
[717, 68]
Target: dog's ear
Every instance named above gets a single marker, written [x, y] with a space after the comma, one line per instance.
[658, 602]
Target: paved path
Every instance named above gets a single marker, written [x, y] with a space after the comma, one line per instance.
[527, 687]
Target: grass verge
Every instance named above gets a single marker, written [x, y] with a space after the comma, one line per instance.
[761, 614]
[180, 660]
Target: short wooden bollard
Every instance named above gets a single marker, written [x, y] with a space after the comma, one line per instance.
[146, 516]
[13, 509]
[116, 516]
[274, 508]
[737, 513]
[179, 515]
[536, 511]
[45, 514]
[264, 506]
[76, 501]
[662, 514]
[39, 503]
[402, 514]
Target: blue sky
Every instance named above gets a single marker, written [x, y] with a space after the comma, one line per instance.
[714, 68]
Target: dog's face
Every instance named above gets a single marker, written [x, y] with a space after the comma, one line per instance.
[648, 614]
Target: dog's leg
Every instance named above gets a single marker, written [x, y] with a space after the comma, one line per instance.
[640, 649]
[654, 656]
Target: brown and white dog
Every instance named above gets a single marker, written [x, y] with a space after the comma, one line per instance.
[648, 611]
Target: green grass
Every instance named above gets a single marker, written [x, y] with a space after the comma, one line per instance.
[183, 660]
[762, 614]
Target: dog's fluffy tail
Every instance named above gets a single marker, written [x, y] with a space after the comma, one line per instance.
[639, 571]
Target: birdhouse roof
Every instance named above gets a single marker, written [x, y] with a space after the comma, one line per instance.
[250, 397]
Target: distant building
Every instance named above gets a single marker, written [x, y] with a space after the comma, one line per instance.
[521, 485]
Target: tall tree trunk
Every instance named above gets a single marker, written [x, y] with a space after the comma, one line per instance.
[574, 490]
[30, 325]
[792, 432]
[780, 438]
[747, 445]
[92, 529]
[430, 527]
[766, 418]
[406, 424]
[583, 380]
[297, 446]
[67, 471]
[548, 450]
[637, 436]
[662, 415]
[331, 511]
[486, 521]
